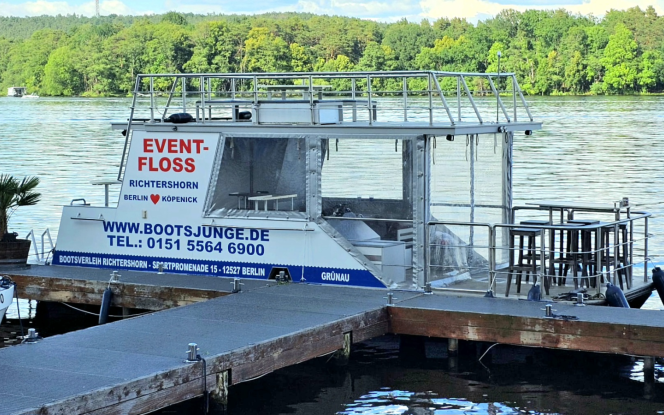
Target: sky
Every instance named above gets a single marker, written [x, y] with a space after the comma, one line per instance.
[379, 10]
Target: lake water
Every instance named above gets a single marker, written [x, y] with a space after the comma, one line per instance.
[592, 149]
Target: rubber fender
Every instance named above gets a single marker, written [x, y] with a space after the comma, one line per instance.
[658, 280]
[615, 296]
[180, 118]
[105, 306]
[535, 293]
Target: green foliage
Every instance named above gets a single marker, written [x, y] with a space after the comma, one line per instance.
[14, 194]
[550, 51]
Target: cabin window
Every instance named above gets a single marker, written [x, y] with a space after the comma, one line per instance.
[367, 177]
[259, 175]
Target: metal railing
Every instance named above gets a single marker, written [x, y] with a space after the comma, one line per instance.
[45, 236]
[422, 97]
[603, 260]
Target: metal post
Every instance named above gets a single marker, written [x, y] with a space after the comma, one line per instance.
[405, 100]
[202, 92]
[598, 259]
[514, 86]
[353, 96]
[311, 100]
[452, 347]
[106, 194]
[184, 94]
[458, 98]
[472, 190]
[498, 94]
[615, 253]
[645, 251]
[369, 100]
[431, 100]
[492, 259]
[544, 275]
[151, 99]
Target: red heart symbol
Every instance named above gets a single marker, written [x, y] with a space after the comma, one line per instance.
[154, 198]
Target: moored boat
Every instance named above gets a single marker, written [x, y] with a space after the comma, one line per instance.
[6, 295]
[375, 179]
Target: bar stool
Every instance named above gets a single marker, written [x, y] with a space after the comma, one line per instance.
[586, 253]
[569, 257]
[528, 256]
[621, 251]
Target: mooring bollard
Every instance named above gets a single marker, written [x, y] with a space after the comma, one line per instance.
[237, 285]
[548, 311]
[579, 300]
[192, 353]
[32, 337]
[390, 299]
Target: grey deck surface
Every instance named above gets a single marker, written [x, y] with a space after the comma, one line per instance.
[63, 366]
[138, 277]
[100, 357]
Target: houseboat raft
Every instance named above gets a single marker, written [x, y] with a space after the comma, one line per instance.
[372, 179]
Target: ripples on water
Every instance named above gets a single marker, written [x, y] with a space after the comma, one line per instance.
[592, 149]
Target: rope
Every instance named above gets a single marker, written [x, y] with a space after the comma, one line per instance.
[97, 314]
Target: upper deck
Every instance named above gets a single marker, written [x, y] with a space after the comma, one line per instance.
[336, 103]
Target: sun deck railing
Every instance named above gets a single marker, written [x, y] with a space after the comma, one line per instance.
[487, 267]
[424, 97]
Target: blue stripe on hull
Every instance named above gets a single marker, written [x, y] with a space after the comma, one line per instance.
[315, 275]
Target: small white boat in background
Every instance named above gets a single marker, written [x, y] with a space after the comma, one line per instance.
[6, 295]
[30, 96]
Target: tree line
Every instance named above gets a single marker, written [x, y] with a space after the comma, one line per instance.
[551, 51]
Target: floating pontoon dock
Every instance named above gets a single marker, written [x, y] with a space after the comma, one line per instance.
[137, 365]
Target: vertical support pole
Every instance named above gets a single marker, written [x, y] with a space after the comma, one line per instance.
[458, 98]
[471, 239]
[405, 99]
[184, 94]
[369, 100]
[615, 254]
[421, 211]
[452, 347]
[599, 253]
[645, 251]
[342, 356]
[514, 87]
[106, 194]
[492, 259]
[220, 393]
[313, 178]
[430, 99]
[649, 374]
[353, 96]
[151, 99]
[507, 144]
[544, 277]
[202, 93]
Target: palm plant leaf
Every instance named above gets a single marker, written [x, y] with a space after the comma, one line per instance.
[15, 193]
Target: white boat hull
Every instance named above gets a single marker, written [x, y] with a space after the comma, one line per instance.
[6, 296]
